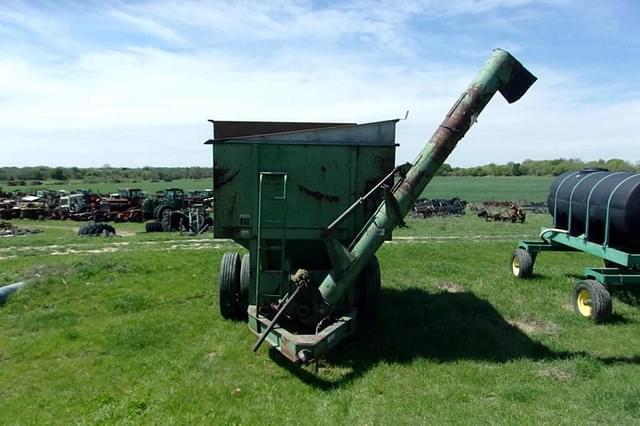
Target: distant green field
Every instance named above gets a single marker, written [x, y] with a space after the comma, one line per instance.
[512, 188]
[531, 188]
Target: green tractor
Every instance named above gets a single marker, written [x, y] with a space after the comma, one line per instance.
[163, 203]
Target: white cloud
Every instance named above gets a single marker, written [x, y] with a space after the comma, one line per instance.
[148, 26]
[286, 61]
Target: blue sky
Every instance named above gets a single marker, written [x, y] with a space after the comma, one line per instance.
[133, 83]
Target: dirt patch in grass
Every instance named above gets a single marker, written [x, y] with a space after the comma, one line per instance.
[450, 287]
[555, 373]
[535, 326]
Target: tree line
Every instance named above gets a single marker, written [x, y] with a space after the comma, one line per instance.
[539, 167]
[107, 173]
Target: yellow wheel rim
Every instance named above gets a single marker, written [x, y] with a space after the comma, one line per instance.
[515, 265]
[584, 303]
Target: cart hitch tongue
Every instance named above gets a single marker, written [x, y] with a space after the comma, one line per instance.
[301, 280]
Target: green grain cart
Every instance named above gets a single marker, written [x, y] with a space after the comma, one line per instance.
[313, 202]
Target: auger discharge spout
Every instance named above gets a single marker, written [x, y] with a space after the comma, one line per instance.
[502, 73]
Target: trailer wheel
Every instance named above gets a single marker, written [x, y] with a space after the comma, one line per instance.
[521, 263]
[592, 300]
[229, 285]
[245, 280]
[370, 288]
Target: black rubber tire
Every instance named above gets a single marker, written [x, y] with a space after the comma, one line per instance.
[162, 211]
[154, 213]
[103, 228]
[599, 301]
[245, 281]
[153, 227]
[165, 220]
[229, 285]
[369, 290]
[84, 229]
[521, 264]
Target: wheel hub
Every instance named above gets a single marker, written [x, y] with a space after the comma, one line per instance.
[584, 303]
[515, 265]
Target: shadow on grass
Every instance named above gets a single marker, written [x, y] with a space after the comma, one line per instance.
[629, 294]
[414, 324]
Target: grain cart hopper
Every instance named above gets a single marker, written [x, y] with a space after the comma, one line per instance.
[597, 212]
[313, 202]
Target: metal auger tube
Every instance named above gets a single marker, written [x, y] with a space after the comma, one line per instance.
[502, 73]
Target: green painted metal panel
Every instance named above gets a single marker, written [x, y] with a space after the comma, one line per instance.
[324, 179]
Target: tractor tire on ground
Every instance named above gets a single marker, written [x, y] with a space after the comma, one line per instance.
[592, 300]
[229, 285]
[245, 281]
[96, 229]
[369, 290]
[84, 229]
[521, 263]
[106, 229]
[153, 227]
[165, 220]
[161, 211]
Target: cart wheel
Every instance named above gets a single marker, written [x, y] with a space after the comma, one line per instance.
[229, 285]
[592, 300]
[245, 279]
[370, 288]
[521, 263]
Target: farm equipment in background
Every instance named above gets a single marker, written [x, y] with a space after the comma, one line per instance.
[194, 220]
[32, 207]
[126, 205]
[313, 202]
[163, 203]
[7, 229]
[172, 210]
[201, 197]
[534, 207]
[597, 212]
[513, 214]
[122, 206]
[425, 207]
[9, 209]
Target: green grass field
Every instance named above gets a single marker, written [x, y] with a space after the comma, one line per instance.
[126, 331]
[530, 188]
[512, 188]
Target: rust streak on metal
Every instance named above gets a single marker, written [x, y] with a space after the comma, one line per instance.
[319, 195]
[222, 177]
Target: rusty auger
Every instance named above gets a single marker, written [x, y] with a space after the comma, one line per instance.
[502, 73]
